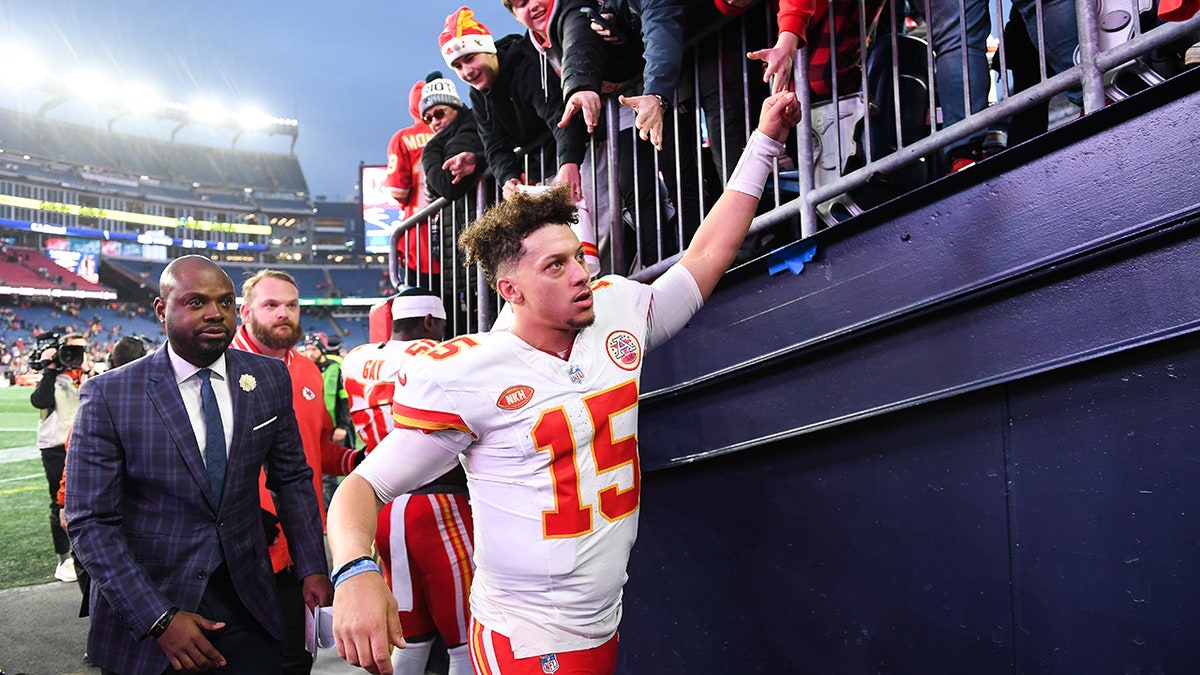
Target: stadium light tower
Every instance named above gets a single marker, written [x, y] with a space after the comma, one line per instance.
[23, 71]
[137, 98]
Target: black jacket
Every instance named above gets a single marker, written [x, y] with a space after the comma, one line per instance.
[660, 24]
[587, 62]
[42, 397]
[457, 137]
[515, 112]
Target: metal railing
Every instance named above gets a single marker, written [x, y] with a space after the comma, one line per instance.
[843, 144]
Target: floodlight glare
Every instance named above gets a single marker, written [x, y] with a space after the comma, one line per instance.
[22, 69]
[90, 85]
[208, 112]
[253, 119]
[141, 98]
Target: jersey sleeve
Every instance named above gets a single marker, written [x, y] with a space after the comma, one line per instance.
[676, 299]
[404, 461]
[420, 402]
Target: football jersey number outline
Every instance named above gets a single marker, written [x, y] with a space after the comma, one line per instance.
[371, 397]
[451, 347]
[553, 433]
[374, 421]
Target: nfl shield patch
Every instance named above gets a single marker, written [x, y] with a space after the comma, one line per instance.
[550, 663]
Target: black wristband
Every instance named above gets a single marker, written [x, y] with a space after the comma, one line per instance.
[160, 626]
[333, 577]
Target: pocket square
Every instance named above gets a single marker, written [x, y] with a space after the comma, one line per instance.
[265, 423]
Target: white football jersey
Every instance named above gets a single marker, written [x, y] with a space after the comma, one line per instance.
[369, 372]
[550, 450]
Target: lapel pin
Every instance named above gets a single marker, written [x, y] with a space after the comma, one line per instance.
[247, 382]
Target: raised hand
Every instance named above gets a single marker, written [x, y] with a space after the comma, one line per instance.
[778, 61]
[649, 120]
[586, 101]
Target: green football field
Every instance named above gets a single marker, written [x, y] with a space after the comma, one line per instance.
[26, 551]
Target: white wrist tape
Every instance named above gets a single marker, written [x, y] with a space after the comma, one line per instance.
[752, 170]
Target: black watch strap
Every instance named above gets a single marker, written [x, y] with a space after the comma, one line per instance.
[160, 626]
[663, 102]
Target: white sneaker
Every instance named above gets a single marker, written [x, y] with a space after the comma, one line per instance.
[65, 571]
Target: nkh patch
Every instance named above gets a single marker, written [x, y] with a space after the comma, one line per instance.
[623, 349]
[549, 663]
[515, 397]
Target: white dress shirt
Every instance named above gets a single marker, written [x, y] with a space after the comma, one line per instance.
[189, 389]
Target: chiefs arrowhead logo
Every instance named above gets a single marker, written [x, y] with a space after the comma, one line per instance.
[308, 394]
[515, 397]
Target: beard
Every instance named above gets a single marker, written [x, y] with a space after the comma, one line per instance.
[196, 348]
[579, 323]
[273, 339]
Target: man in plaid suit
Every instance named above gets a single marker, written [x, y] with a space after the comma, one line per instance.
[181, 578]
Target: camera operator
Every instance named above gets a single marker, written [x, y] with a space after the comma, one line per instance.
[65, 363]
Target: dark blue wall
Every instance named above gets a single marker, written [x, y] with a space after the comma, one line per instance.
[1044, 526]
[963, 440]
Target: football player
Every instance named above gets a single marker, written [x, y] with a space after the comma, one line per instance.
[424, 536]
[543, 417]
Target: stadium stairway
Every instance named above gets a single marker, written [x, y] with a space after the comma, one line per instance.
[961, 440]
[130, 287]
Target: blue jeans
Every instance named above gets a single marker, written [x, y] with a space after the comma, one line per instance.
[946, 33]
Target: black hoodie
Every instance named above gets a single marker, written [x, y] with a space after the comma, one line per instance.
[516, 112]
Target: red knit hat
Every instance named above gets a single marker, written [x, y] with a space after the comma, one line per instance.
[464, 35]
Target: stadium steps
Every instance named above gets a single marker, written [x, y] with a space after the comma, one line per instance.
[130, 287]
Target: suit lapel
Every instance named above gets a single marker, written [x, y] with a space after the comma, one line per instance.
[235, 368]
[164, 395]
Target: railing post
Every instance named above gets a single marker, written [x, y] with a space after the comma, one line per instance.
[1092, 77]
[804, 149]
[616, 232]
[482, 306]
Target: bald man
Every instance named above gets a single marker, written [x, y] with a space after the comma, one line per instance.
[163, 496]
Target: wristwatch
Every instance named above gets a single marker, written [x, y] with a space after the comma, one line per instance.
[662, 102]
[164, 620]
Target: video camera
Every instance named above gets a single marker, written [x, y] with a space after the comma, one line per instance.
[66, 357]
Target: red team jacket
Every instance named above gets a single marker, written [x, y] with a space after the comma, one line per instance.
[406, 181]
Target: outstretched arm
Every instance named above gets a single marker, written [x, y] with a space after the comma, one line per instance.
[365, 622]
[723, 230]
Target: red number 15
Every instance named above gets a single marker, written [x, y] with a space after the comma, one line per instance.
[572, 517]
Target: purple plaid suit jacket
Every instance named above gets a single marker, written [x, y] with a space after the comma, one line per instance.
[140, 510]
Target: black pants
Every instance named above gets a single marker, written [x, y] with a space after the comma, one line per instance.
[53, 461]
[295, 658]
[247, 647]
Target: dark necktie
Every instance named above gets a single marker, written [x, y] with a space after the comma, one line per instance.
[214, 435]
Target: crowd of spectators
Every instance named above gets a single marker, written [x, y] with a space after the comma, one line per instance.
[102, 324]
[683, 78]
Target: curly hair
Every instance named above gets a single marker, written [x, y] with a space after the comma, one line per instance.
[497, 238]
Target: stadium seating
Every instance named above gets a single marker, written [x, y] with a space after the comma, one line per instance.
[19, 276]
[73, 318]
[23, 268]
[140, 156]
[359, 282]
